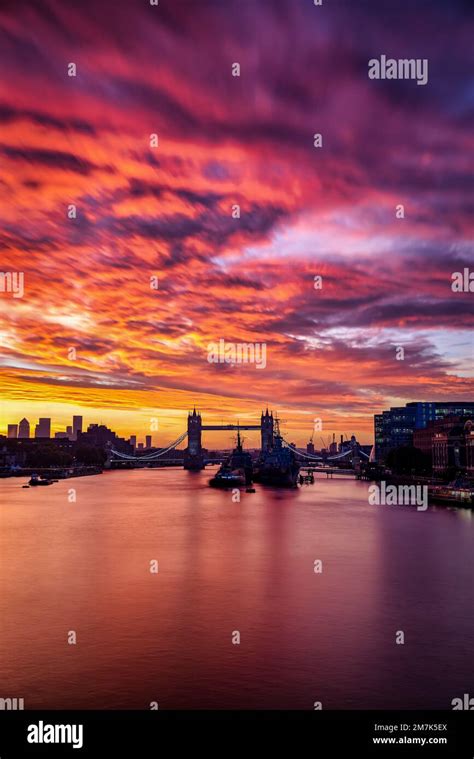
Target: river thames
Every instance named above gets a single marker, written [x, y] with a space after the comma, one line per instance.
[228, 567]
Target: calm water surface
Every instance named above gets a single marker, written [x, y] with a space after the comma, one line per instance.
[225, 567]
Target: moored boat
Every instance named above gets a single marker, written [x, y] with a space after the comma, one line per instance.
[227, 479]
[456, 493]
[236, 471]
[35, 480]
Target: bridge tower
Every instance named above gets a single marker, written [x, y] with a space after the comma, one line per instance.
[193, 457]
[355, 457]
[266, 427]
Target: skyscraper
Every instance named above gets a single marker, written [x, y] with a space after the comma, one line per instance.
[76, 426]
[12, 431]
[148, 441]
[24, 428]
[133, 440]
[43, 428]
[395, 427]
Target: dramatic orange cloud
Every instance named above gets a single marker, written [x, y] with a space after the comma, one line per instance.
[93, 334]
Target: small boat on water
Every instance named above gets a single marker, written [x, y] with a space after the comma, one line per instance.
[236, 471]
[227, 479]
[35, 481]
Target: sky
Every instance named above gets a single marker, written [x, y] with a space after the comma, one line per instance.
[92, 336]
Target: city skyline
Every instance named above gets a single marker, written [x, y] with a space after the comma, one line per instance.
[46, 429]
[142, 438]
[135, 259]
[237, 372]
[392, 428]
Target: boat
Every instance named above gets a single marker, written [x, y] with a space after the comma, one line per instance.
[236, 471]
[456, 493]
[227, 479]
[35, 480]
[278, 466]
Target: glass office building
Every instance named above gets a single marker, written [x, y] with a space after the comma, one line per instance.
[394, 428]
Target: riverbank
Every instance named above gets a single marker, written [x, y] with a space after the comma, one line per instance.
[62, 473]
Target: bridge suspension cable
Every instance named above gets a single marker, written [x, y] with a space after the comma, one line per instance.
[359, 452]
[319, 458]
[299, 453]
[340, 455]
[151, 456]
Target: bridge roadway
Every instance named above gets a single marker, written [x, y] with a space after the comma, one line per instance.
[231, 427]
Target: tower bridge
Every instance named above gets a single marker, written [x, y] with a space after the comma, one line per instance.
[195, 456]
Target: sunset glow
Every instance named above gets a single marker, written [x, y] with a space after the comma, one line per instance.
[166, 212]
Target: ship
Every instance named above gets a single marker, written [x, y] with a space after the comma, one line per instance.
[278, 466]
[236, 471]
[457, 493]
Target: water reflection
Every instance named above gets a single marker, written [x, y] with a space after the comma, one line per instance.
[224, 567]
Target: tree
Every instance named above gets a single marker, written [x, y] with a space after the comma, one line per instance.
[90, 456]
[47, 455]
